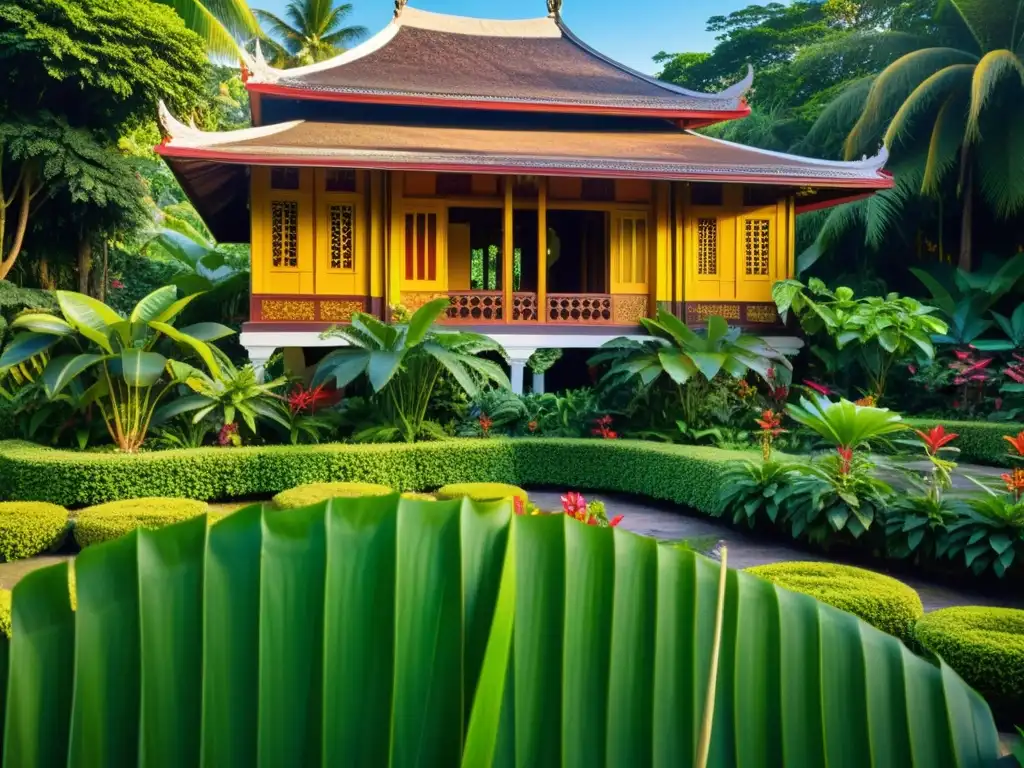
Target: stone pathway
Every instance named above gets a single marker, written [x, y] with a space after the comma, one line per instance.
[747, 549]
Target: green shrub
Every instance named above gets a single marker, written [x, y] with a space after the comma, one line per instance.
[8, 426]
[419, 496]
[882, 601]
[481, 491]
[986, 648]
[5, 613]
[116, 518]
[314, 493]
[980, 442]
[30, 527]
[681, 474]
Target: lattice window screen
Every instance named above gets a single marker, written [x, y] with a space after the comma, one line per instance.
[342, 219]
[284, 233]
[756, 240]
[707, 246]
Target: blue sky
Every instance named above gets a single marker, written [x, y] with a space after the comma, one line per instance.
[630, 32]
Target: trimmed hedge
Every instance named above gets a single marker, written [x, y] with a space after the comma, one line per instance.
[481, 491]
[980, 442]
[8, 424]
[986, 648]
[682, 474]
[116, 518]
[5, 613]
[28, 528]
[882, 601]
[314, 493]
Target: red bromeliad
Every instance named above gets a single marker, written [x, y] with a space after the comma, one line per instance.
[517, 505]
[771, 427]
[303, 400]
[603, 428]
[574, 504]
[1014, 482]
[935, 438]
[485, 424]
[821, 389]
[1017, 442]
[846, 457]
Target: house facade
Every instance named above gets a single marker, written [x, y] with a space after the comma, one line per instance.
[553, 196]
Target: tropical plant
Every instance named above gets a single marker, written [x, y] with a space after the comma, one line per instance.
[750, 491]
[183, 433]
[311, 31]
[881, 330]
[569, 414]
[836, 493]
[309, 412]
[503, 409]
[469, 601]
[845, 424]
[235, 393]
[963, 81]
[115, 360]
[403, 363]
[917, 520]
[691, 360]
[966, 298]
[990, 532]
[220, 23]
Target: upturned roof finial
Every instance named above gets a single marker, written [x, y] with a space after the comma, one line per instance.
[399, 6]
[554, 7]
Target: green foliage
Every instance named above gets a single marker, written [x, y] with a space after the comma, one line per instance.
[266, 619]
[114, 519]
[844, 424]
[28, 528]
[989, 533]
[311, 31]
[218, 24]
[403, 364]
[314, 493]
[984, 645]
[113, 362]
[880, 330]
[751, 491]
[882, 601]
[481, 491]
[917, 525]
[5, 613]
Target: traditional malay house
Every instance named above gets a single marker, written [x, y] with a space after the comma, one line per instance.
[552, 195]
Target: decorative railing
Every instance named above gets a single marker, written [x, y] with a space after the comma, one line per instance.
[524, 307]
[475, 307]
[579, 308]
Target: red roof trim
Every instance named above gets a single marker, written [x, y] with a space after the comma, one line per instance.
[818, 205]
[234, 158]
[705, 117]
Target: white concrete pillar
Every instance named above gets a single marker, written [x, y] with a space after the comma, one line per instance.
[259, 356]
[517, 357]
[538, 383]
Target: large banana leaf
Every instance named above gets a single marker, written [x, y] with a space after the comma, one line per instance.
[386, 632]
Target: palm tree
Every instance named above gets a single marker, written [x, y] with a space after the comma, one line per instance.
[221, 23]
[955, 102]
[313, 32]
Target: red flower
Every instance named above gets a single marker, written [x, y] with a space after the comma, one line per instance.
[116, 284]
[301, 400]
[911, 369]
[517, 505]
[770, 422]
[485, 424]
[228, 435]
[532, 426]
[574, 504]
[592, 520]
[846, 454]
[780, 394]
[1014, 482]
[604, 429]
[1017, 442]
[821, 389]
[615, 520]
[961, 355]
[935, 438]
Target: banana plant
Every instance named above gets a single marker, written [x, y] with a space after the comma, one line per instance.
[120, 363]
[403, 363]
[395, 632]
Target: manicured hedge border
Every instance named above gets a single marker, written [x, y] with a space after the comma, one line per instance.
[980, 442]
[677, 473]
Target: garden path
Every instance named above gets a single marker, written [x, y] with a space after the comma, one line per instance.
[665, 521]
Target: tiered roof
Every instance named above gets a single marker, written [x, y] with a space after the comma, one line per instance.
[424, 58]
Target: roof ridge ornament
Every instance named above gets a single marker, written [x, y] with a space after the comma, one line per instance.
[554, 8]
[400, 6]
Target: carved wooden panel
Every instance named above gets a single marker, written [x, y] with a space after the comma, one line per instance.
[627, 310]
[284, 233]
[707, 246]
[342, 220]
[757, 246]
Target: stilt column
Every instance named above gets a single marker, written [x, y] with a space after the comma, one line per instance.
[517, 357]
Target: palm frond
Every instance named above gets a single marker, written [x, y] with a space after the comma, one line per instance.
[841, 113]
[894, 85]
[944, 143]
[931, 89]
[276, 29]
[878, 48]
[989, 22]
[344, 38]
[884, 210]
[1000, 160]
[216, 34]
[334, 17]
[993, 66]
